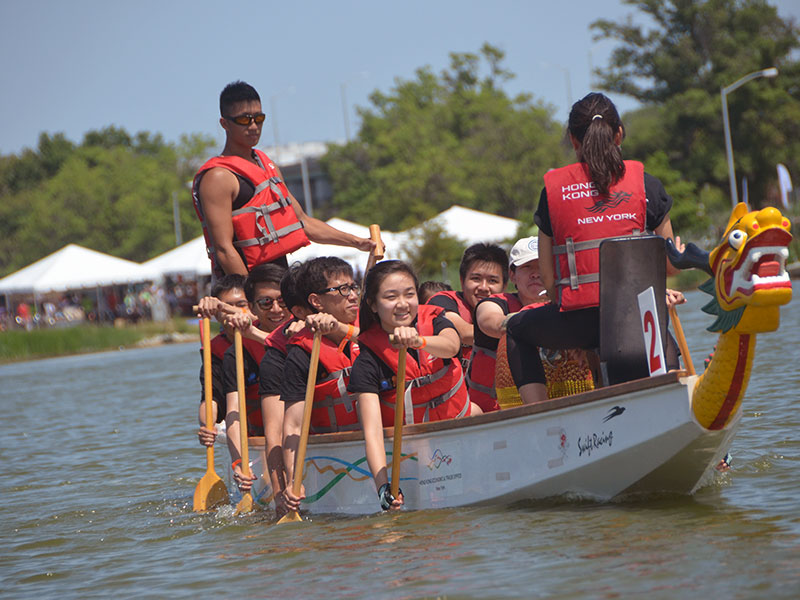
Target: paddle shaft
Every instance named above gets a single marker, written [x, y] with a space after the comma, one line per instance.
[375, 255]
[687, 358]
[237, 340]
[300, 458]
[399, 405]
[207, 389]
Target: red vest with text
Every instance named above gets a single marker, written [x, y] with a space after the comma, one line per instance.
[266, 227]
[435, 391]
[480, 374]
[255, 420]
[581, 218]
[334, 409]
[465, 313]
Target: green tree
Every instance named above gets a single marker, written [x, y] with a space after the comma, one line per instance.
[431, 246]
[677, 67]
[435, 141]
[113, 193]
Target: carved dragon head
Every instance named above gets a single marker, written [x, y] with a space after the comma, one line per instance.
[749, 279]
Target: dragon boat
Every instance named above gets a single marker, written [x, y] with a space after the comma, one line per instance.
[664, 433]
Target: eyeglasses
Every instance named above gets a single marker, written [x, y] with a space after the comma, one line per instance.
[245, 119]
[267, 303]
[345, 289]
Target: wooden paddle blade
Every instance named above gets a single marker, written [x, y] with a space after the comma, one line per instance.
[290, 517]
[245, 504]
[210, 492]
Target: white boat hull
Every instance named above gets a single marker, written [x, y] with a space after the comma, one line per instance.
[639, 437]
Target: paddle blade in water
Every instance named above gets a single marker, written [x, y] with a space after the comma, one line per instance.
[210, 492]
[290, 517]
[245, 504]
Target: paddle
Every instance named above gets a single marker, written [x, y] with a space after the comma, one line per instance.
[210, 490]
[687, 359]
[300, 458]
[377, 252]
[399, 405]
[246, 503]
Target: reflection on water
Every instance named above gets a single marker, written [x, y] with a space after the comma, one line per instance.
[101, 462]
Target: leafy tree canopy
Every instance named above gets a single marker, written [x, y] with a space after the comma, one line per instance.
[435, 141]
[112, 193]
[676, 68]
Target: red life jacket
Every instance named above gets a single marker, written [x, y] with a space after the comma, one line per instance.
[480, 374]
[266, 227]
[219, 344]
[581, 218]
[334, 409]
[278, 338]
[465, 313]
[435, 391]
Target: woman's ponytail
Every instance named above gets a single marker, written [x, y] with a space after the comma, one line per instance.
[594, 123]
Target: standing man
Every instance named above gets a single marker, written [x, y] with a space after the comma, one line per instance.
[249, 216]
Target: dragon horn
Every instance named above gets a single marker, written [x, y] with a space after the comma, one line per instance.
[691, 258]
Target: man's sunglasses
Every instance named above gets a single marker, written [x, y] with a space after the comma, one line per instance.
[246, 119]
[266, 303]
[344, 289]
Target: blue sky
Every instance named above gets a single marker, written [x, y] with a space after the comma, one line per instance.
[73, 66]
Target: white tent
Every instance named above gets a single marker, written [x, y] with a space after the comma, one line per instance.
[187, 259]
[72, 268]
[473, 226]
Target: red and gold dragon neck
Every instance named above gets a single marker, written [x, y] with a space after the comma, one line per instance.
[749, 284]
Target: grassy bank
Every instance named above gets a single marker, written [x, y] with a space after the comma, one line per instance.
[43, 343]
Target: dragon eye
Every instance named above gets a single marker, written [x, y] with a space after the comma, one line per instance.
[736, 238]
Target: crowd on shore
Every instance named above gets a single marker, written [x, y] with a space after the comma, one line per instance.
[107, 305]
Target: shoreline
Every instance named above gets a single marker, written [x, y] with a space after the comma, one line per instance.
[20, 346]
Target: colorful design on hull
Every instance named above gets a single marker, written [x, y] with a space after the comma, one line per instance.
[438, 458]
[346, 470]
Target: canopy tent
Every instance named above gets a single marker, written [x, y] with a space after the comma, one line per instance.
[72, 268]
[187, 259]
[473, 226]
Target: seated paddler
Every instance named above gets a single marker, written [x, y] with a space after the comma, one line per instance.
[330, 294]
[267, 312]
[435, 386]
[227, 296]
[483, 271]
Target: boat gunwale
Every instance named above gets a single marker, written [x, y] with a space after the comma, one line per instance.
[619, 389]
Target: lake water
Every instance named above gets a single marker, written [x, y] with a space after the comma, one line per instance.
[101, 460]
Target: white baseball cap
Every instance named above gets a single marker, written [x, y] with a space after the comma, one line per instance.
[525, 250]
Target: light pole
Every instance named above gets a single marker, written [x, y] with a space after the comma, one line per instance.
[770, 72]
[274, 118]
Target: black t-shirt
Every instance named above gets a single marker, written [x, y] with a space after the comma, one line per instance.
[295, 373]
[271, 372]
[217, 395]
[481, 339]
[371, 375]
[447, 303]
[659, 204]
[251, 368]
